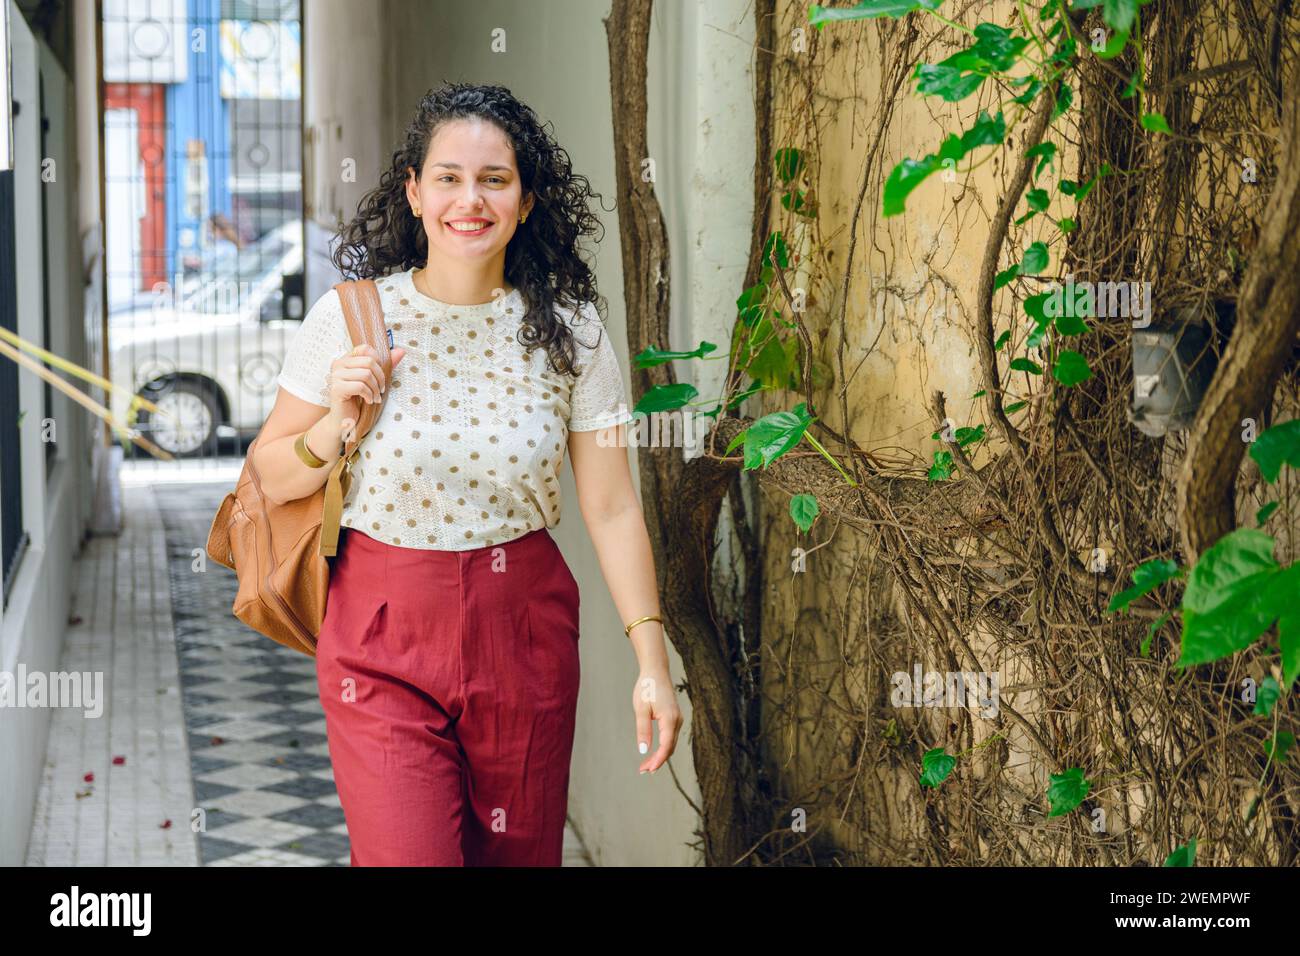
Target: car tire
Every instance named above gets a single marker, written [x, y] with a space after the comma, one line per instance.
[195, 405]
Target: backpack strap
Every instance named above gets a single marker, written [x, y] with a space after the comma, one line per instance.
[364, 313]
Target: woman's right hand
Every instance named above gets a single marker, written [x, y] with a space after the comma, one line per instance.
[355, 378]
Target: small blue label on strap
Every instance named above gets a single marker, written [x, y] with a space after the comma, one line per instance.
[390, 337]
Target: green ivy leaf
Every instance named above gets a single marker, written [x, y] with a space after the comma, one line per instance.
[936, 765]
[1035, 259]
[1185, 855]
[1288, 629]
[995, 50]
[1071, 325]
[794, 201]
[1146, 578]
[1064, 97]
[653, 356]
[803, 509]
[1027, 97]
[1014, 407]
[1065, 791]
[1263, 513]
[1066, 224]
[941, 470]
[1156, 123]
[1275, 447]
[1044, 153]
[968, 436]
[1231, 596]
[910, 173]
[1235, 563]
[1005, 276]
[767, 358]
[663, 398]
[949, 83]
[1035, 307]
[1064, 52]
[1026, 365]
[903, 178]
[819, 16]
[1278, 746]
[750, 303]
[1071, 368]
[1002, 340]
[1119, 14]
[772, 436]
[1038, 200]
[1267, 696]
[789, 163]
[776, 241]
[1134, 84]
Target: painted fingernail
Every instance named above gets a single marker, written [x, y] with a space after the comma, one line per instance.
[642, 747]
[645, 771]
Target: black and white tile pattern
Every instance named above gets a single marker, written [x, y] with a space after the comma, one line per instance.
[256, 731]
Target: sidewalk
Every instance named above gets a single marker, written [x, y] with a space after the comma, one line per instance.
[232, 771]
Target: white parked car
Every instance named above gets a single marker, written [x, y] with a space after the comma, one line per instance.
[208, 354]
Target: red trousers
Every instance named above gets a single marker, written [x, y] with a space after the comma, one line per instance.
[449, 681]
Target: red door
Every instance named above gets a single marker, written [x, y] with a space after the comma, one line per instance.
[149, 102]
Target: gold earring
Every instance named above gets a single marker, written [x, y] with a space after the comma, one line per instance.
[523, 217]
[417, 211]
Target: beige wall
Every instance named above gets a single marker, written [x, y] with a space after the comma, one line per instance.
[345, 138]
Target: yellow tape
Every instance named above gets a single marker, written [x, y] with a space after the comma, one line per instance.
[81, 399]
[72, 368]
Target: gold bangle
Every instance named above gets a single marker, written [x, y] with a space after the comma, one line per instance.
[305, 453]
[627, 631]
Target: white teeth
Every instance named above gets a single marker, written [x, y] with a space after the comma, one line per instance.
[469, 226]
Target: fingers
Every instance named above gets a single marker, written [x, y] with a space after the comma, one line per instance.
[372, 378]
[396, 355]
[360, 382]
[667, 741]
[362, 359]
[669, 723]
[644, 729]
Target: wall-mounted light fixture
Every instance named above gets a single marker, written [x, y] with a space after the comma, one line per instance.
[1173, 362]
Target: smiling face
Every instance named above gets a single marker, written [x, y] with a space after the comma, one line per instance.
[468, 194]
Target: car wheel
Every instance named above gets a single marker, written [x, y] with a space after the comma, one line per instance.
[187, 427]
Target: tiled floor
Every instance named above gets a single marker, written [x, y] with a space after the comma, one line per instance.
[256, 731]
[116, 789]
[218, 725]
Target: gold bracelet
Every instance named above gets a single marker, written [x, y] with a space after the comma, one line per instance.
[305, 453]
[627, 631]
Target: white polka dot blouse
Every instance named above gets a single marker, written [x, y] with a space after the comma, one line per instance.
[467, 450]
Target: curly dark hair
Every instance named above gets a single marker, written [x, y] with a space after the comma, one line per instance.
[542, 259]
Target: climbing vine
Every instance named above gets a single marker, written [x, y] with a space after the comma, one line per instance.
[1117, 717]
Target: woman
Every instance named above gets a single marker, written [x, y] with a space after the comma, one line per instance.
[447, 662]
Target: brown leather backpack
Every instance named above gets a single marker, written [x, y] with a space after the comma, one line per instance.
[281, 552]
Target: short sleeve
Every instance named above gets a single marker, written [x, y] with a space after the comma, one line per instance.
[598, 399]
[322, 337]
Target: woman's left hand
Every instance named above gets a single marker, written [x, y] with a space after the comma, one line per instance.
[655, 700]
